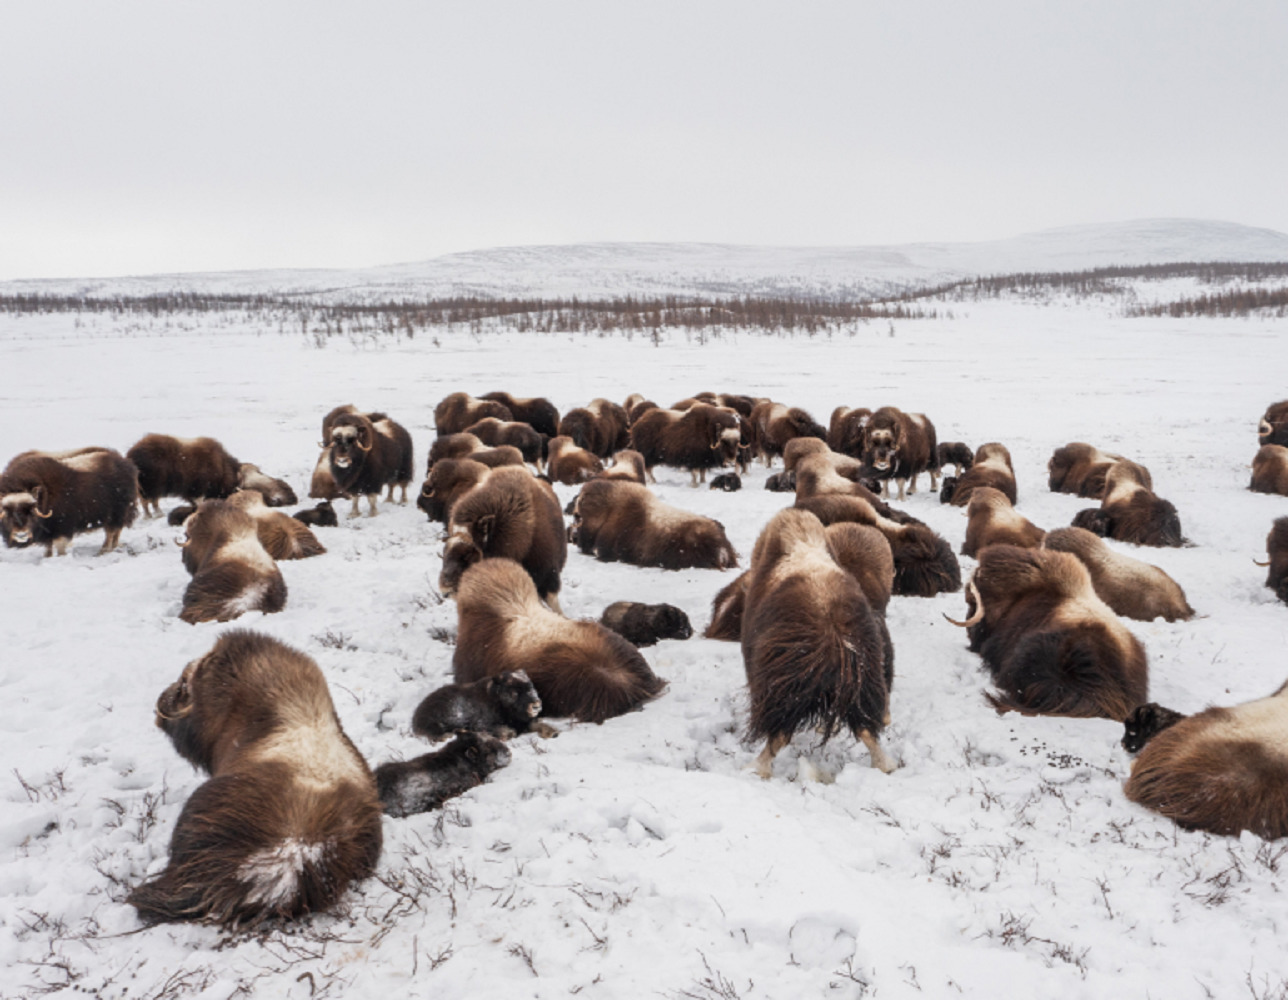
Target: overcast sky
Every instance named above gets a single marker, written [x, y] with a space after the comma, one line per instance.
[147, 137]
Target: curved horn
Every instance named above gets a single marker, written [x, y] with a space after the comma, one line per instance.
[426, 490]
[361, 446]
[1264, 427]
[36, 511]
[1258, 562]
[183, 542]
[978, 616]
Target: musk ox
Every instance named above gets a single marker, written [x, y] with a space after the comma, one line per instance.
[814, 650]
[457, 411]
[1273, 428]
[570, 464]
[510, 515]
[1134, 589]
[1131, 513]
[697, 439]
[48, 498]
[535, 411]
[646, 624]
[781, 482]
[901, 446]
[1146, 722]
[289, 816]
[956, 454]
[1277, 549]
[743, 405]
[579, 668]
[448, 481]
[367, 455]
[1051, 644]
[197, 469]
[232, 573]
[468, 446]
[321, 515]
[514, 433]
[414, 786]
[628, 465]
[601, 427]
[1270, 470]
[503, 705]
[773, 425]
[991, 467]
[847, 430]
[1223, 770]
[993, 521]
[282, 536]
[622, 521]
[726, 482]
[1082, 469]
[636, 406]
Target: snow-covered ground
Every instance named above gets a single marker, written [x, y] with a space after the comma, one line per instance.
[640, 858]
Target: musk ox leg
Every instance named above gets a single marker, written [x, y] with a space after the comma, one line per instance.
[403, 487]
[902, 483]
[880, 760]
[765, 762]
[371, 504]
[649, 470]
[934, 480]
[111, 539]
[356, 512]
[912, 485]
[693, 477]
[389, 497]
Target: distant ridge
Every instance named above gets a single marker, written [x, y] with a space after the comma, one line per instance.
[652, 269]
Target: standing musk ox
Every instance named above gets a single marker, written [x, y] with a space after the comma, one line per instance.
[448, 481]
[646, 624]
[956, 454]
[197, 469]
[1273, 428]
[1082, 469]
[410, 787]
[232, 573]
[289, 816]
[901, 446]
[622, 521]
[1277, 549]
[773, 425]
[601, 427]
[283, 536]
[1134, 589]
[1270, 470]
[570, 464]
[1051, 644]
[991, 467]
[514, 433]
[579, 668]
[847, 430]
[535, 411]
[366, 455]
[1130, 512]
[697, 439]
[466, 445]
[993, 521]
[1224, 770]
[457, 411]
[509, 515]
[502, 706]
[48, 498]
[628, 464]
[815, 652]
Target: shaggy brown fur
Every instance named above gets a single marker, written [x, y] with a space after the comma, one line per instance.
[503, 705]
[1082, 469]
[847, 430]
[956, 454]
[773, 425]
[627, 465]
[697, 439]
[570, 464]
[901, 446]
[726, 611]
[409, 787]
[276, 492]
[994, 521]
[646, 624]
[1134, 589]
[191, 468]
[535, 411]
[992, 468]
[636, 407]
[1270, 470]
[1224, 770]
[367, 455]
[448, 481]
[457, 411]
[1277, 549]
[601, 427]
[1146, 722]
[468, 446]
[48, 498]
[781, 482]
[231, 571]
[321, 515]
[289, 817]
[513, 433]
[620, 521]
[1130, 512]
[283, 536]
[579, 668]
[1273, 428]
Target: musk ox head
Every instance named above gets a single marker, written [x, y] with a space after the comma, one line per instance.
[276, 492]
[1146, 722]
[883, 447]
[351, 438]
[516, 697]
[21, 514]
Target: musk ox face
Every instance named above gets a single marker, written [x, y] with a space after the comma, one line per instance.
[514, 695]
[883, 448]
[349, 445]
[1146, 722]
[20, 513]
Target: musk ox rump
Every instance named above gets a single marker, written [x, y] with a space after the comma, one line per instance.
[535, 411]
[1270, 470]
[1277, 550]
[1134, 589]
[457, 411]
[232, 572]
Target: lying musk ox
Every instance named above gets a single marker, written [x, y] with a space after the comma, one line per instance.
[697, 439]
[1270, 470]
[726, 482]
[1051, 644]
[197, 469]
[847, 430]
[993, 521]
[232, 573]
[1146, 722]
[956, 454]
[628, 464]
[1134, 589]
[901, 446]
[514, 433]
[601, 427]
[1082, 469]
[743, 405]
[283, 536]
[448, 481]
[571, 464]
[465, 445]
[1131, 513]
[509, 515]
[535, 411]
[1277, 549]
[579, 668]
[773, 425]
[457, 411]
[646, 624]
[503, 706]
[409, 787]
[1223, 770]
[321, 515]
[618, 521]
[367, 455]
[1273, 428]
[48, 498]
[289, 816]
[814, 650]
[991, 467]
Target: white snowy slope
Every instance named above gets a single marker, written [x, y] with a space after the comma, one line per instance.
[640, 858]
[619, 269]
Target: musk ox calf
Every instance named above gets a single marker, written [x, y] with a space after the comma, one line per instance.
[1223, 770]
[901, 446]
[773, 425]
[1131, 513]
[321, 515]
[579, 668]
[1146, 722]
[991, 467]
[1270, 470]
[646, 624]
[726, 482]
[197, 469]
[366, 455]
[535, 411]
[509, 515]
[457, 411]
[502, 706]
[816, 654]
[513, 433]
[448, 481]
[1277, 549]
[48, 498]
[697, 439]
[618, 521]
[289, 817]
[601, 427]
[1051, 644]
[283, 536]
[1273, 428]
[993, 521]
[781, 482]
[956, 454]
[415, 786]
[232, 572]
[1134, 589]
[570, 464]
[847, 430]
[1082, 470]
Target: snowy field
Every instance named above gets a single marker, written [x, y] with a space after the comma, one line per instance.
[641, 858]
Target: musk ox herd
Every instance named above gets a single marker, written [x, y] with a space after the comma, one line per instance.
[291, 813]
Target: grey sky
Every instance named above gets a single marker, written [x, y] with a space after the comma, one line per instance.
[144, 137]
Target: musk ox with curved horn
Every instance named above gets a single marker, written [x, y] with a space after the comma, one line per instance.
[48, 498]
[1277, 549]
[289, 817]
[815, 652]
[232, 572]
[601, 427]
[1081, 469]
[847, 431]
[535, 411]
[1051, 644]
[568, 463]
[990, 467]
[901, 446]
[697, 439]
[579, 668]
[1223, 770]
[513, 433]
[366, 455]
[1270, 470]
[457, 411]
[197, 469]
[1273, 428]
[993, 521]
[1132, 513]
[773, 425]
[448, 481]
[1134, 589]
[622, 521]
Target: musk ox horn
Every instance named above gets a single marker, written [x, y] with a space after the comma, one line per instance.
[183, 542]
[361, 446]
[36, 511]
[1264, 427]
[978, 616]
[1258, 562]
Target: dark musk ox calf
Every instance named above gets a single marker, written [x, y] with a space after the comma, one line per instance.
[1223, 770]
[232, 573]
[847, 430]
[991, 467]
[956, 454]
[367, 455]
[697, 439]
[569, 463]
[503, 706]
[1081, 469]
[579, 668]
[726, 482]
[1134, 589]
[1277, 549]
[1131, 513]
[1051, 644]
[49, 498]
[283, 536]
[289, 817]
[448, 481]
[1146, 722]
[1273, 428]
[509, 515]
[773, 425]
[781, 482]
[601, 427]
[409, 787]
[535, 411]
[457, 411]
[993, 521]
[619, 521]
[815, 652]
[514, 433]
[320, 515]
[197, 469]
[901, 446]
[646, 624]
[1270, 470]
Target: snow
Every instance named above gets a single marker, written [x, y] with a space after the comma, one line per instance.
[640, 857]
